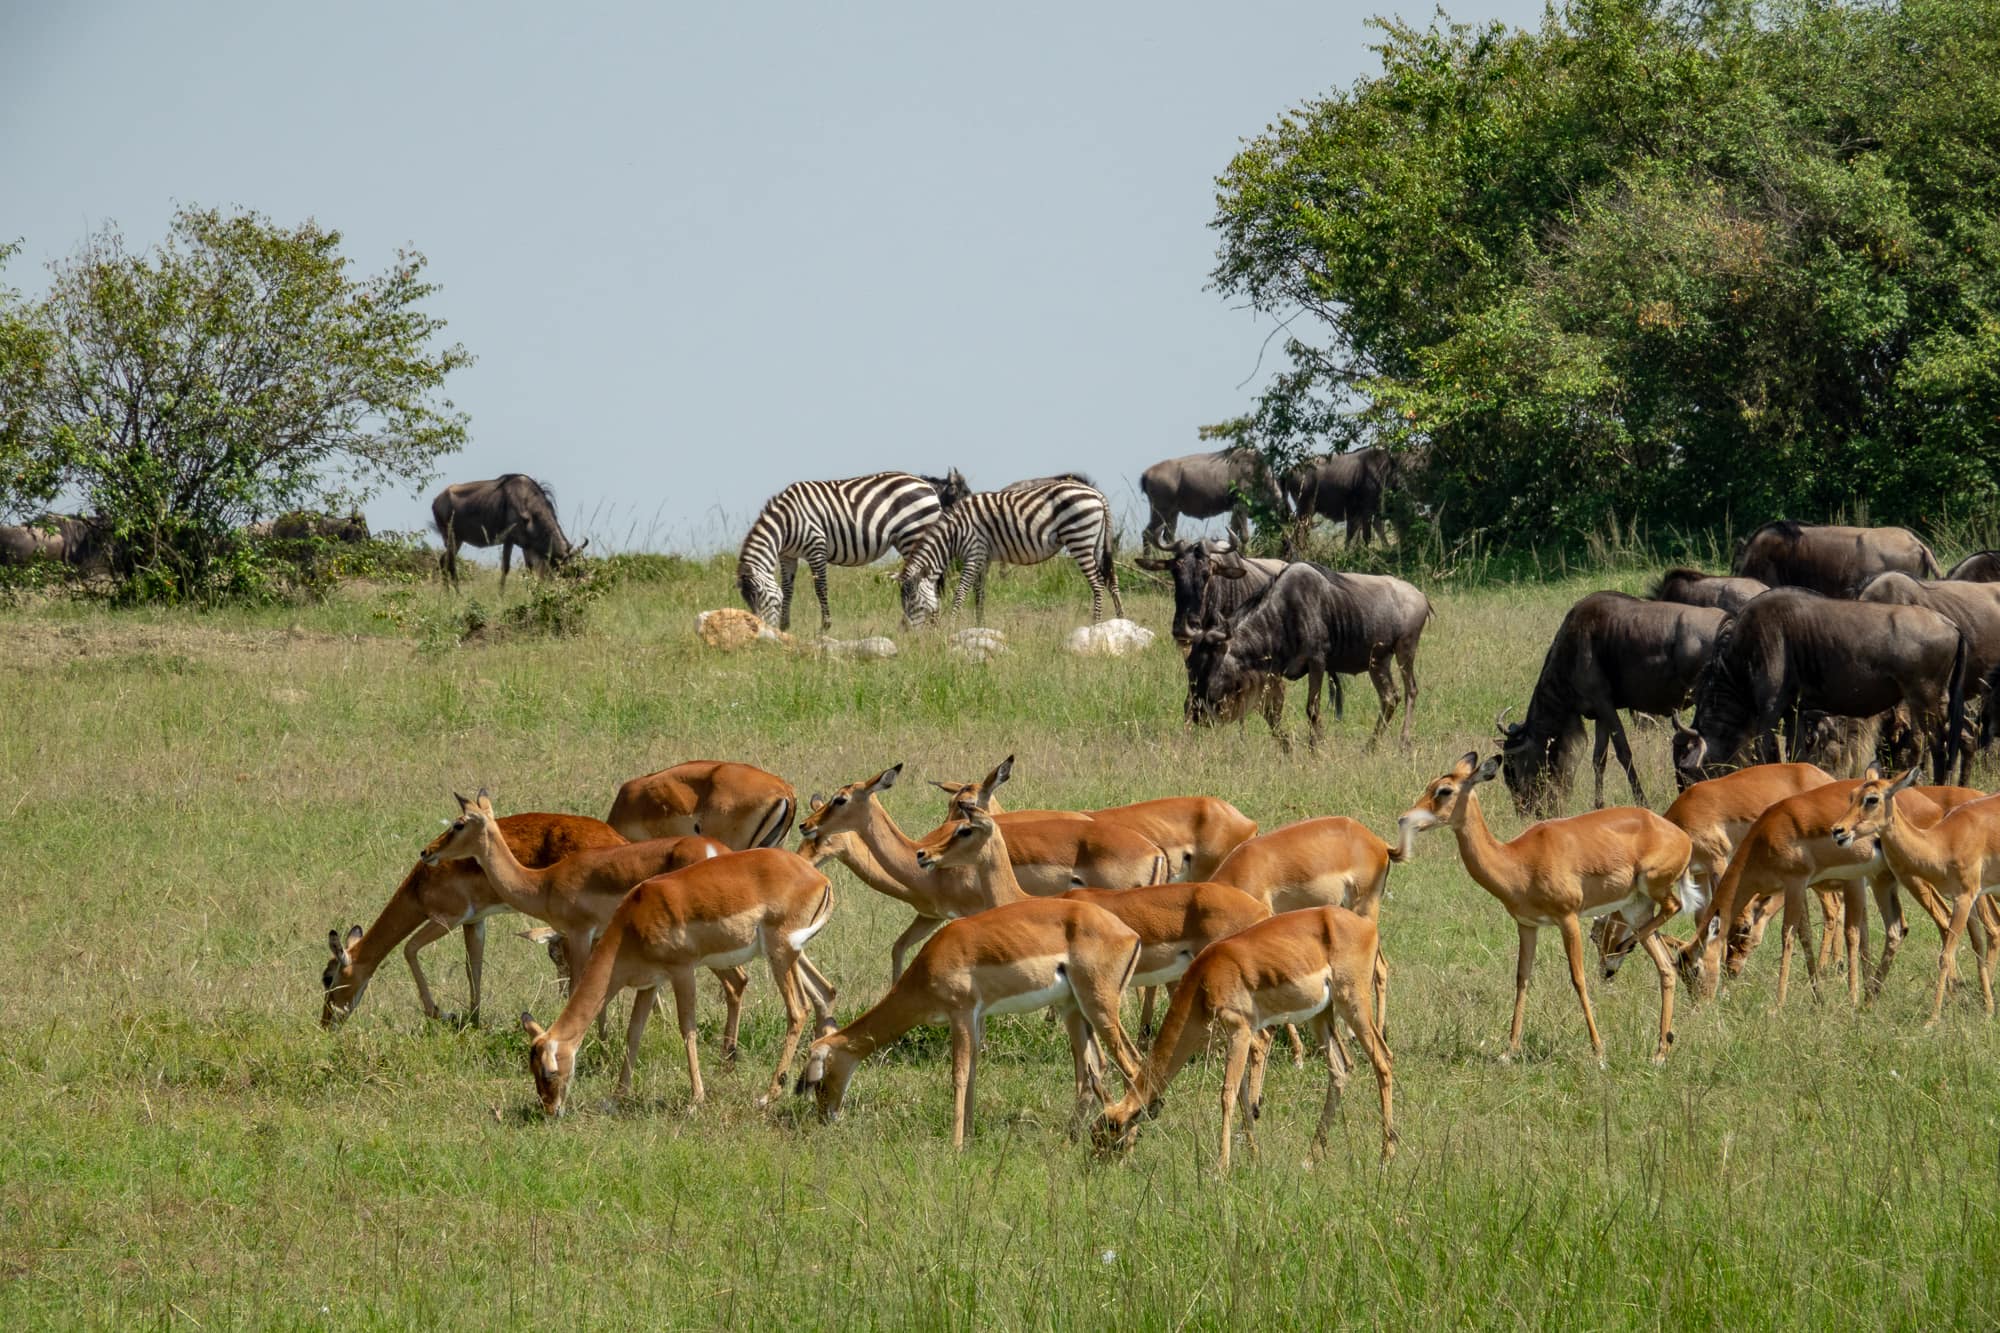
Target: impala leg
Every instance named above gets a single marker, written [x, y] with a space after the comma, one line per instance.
[963, 1056]
[1831, 916]
[1088, 1084]
[1524, 967]
[1232, 1081]
[1298, 1046]
[819, 992]
[1984, 946]
[427, 934]
[1572, 937]
[683, 980]
[1146, 1011]
[1250, 1092]
[1961, 909]
[1381, 996]
[1855, 911]
[1657, 951]
[635, 1028]
[785, 973]
[1336, 1081]
[916, 933]
[732, 982]
[1890, 905]
[475, 965]
[1355, 1011]
[1098, 1000]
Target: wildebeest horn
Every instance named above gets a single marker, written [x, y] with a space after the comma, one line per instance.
[1500, 719]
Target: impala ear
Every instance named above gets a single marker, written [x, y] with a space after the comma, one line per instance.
[538, 934]
[1470, 759]
[463, 804]
[815, 801]
[354, 934]
[483, 801]
[531, 1027]
[885, 779]
[333, 942]
[1000, 773]
[1872, 773]
[1486, 772]
[1904, 783]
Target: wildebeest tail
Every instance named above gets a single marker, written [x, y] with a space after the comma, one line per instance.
[1954, 720]
[1929, 564]
[777, 823]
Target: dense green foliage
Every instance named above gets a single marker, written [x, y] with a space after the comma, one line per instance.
[1680, 261]
[236, 372]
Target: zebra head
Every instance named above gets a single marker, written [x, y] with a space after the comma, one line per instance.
[922, 579]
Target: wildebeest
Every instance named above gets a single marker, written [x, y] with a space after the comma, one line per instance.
[508, 511]
[1830, 559]
[1312, 622]
[1204, 594]
[1611, 651]
[1691, 587]
[1979, 567]
[1204, 485]
[1973, 607]
[1792, 650]
[302, 524]
[1343, 488]
[64, 538]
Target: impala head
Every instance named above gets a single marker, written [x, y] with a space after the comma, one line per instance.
[830, 1065]
[957, 842]
[1869, 808]
[1615, 943]
[462, 837]
[1444, 800]
[1117, 1126]
[551, 1061]
[846, 811]
[343, 988]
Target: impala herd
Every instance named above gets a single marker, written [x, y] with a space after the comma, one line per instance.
[1018, 910]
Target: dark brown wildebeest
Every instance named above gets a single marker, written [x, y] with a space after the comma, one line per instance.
[1792, 650]
[1691, 587]
[63, 538]
[1204, 594]
[1204, 485]
[508, 511]
[1979, 567]
[1312, 622]
[1974, 608]
[1343, 488]
[1828, 559]
[1610, 652]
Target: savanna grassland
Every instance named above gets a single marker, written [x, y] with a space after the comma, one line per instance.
[188, 803]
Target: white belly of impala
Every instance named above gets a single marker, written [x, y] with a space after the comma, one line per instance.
[735, 957]
[1301, 1015]
[1022, 1002]
[1174, 971]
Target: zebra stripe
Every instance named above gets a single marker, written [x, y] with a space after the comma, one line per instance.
[1018, 527]
[849, 522]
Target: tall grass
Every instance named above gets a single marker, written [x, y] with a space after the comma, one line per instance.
[188, 803]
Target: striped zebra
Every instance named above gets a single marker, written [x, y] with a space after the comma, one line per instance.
[1019, 527]
[850, 522]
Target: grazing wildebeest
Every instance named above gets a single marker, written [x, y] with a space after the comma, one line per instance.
[64, 538]
[508, 511]
[1312, 622]
[1611, 651]
[1792, 650]
[1979, 567]
[1204, 485]
[1691, 587]
[1343, 488]
[1830, 559]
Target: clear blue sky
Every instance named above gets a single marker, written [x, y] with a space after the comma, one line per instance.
[704, 250]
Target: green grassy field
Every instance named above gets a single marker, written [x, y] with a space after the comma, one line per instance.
[188, 803]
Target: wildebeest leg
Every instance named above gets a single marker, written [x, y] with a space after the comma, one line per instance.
[1274, 711]
[788, 574]
[506, 562]
[1385, 689]
[1313, 682]
[1406, 661]
[1624, 749]
[1602, 740]
[449, 560]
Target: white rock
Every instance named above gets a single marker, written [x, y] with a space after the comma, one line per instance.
[868, 650]
[979, 644]
[1109, 638]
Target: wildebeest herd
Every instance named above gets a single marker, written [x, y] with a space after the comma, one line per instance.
[1817, 630]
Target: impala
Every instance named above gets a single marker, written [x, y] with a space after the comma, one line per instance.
[432, 899]
[1789, 849]
[1026, 955]
[1318, 965]
[1052, 856]
[713, 914]
[1196, 832]
[1624, 860]
[1959, 855]
[735, 804]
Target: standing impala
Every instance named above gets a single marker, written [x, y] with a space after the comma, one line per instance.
[1318, 965]
[1055, 855]
[737, 805]
[1196, 832]
[1026, 955]
[431, 900]
[1624, 860]
[1959, 856]
[713, 914]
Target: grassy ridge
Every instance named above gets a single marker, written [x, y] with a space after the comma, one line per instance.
[187, 804]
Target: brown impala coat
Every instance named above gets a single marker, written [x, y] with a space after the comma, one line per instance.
[735, 804]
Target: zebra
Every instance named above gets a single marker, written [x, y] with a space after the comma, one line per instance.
[850, 522]
[1018, 526]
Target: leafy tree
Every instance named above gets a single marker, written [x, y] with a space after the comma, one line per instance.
[1691, 262]
[237, 371]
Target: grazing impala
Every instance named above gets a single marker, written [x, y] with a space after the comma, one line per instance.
[1316, 965]
[1958, 855]
[1715, 814]
[1027, 955]
[1624, 860]
[713, 914]
[737, 805]
[852, 827]
[1196, 832]
[432, 899]
[1789, 849]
